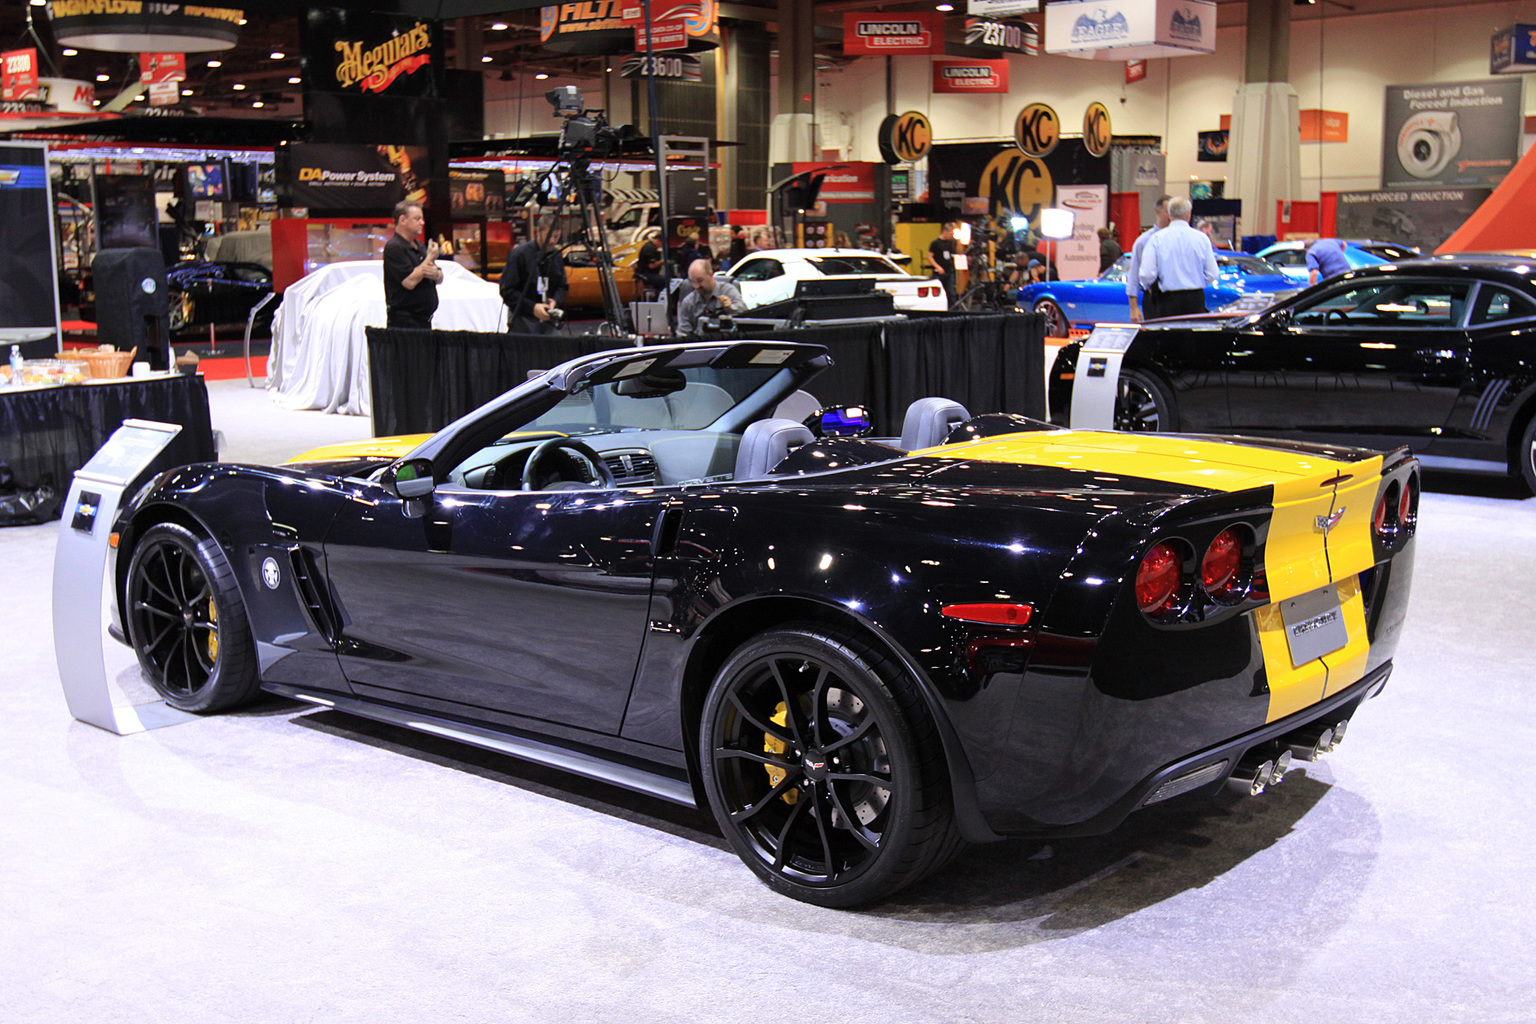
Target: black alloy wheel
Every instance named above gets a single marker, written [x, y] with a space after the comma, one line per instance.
[187, 623]
[1144, 403]
[1056, 323]
[824, 769]
[1526, 455]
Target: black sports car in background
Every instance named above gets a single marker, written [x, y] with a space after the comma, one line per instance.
[857, 653]
[1435, 354]
[205, 293]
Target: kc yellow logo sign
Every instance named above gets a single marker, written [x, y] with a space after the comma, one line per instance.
[1037, 129]
[905, 137]
[1097, 132]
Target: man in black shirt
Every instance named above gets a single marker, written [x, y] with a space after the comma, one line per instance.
[411, 272]
[533, 282]
[648, 267]
[941, 259]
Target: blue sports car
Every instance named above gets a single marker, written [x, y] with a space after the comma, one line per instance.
[1068, 304]
[1291, 255]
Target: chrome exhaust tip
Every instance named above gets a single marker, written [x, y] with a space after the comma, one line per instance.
[1310, 743]
[1252, 776]
[1338, 734]
[1282, 765]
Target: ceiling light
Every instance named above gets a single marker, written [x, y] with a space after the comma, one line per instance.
[103, 78]
[485, 58]
[39, 3]
[238, 86]
[186, 92]
[277, 55]
[215, 63]
[499, 26]
[242, 21]
[258, 104]
[541, 76]
[945, 7]
[295, 80]
[70, 52]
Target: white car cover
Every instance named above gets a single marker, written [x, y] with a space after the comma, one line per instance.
[319, 354]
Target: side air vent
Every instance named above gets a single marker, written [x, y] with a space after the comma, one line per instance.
[313, 592]
[632, 468]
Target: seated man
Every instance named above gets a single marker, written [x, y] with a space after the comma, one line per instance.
[708, 299]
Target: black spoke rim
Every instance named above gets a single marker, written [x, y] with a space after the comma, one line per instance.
[804, 770]
[1137, 408]
[172, 617]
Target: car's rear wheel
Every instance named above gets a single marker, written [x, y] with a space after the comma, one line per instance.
[824, 768]
[187, 622]
[1527, 455]
[1056, 323]
[1144, 403]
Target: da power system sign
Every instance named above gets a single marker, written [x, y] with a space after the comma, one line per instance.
[970, 76]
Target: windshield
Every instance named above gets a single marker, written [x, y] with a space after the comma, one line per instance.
[689, 399]
[871, 264]
[1244, 264]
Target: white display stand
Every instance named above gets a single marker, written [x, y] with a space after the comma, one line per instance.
[1096, 381]
[79, 562]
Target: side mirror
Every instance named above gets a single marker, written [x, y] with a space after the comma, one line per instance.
[840, 421]
[410, 479]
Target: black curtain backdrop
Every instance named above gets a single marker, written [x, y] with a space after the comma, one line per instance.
[47, 434]
[424, 380]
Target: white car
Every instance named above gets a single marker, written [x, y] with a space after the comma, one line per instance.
[771, 275]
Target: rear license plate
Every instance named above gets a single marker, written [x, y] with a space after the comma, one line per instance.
[1314, 625]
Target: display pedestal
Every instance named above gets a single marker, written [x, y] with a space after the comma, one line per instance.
[79, 562]
[1096, 381]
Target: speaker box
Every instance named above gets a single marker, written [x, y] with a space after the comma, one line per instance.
[131, 307]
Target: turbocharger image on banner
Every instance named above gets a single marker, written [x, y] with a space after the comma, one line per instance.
[1428, 142]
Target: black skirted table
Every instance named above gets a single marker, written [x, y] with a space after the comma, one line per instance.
[48, 433]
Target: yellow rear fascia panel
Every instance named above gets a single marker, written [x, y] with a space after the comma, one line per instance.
[384, 447]
[1351, 549]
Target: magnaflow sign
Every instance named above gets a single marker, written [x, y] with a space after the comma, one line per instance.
[885, 34]
[1130, 29]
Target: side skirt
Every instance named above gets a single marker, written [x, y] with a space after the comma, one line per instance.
[577, 762]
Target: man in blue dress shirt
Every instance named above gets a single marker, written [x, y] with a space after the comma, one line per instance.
[1180, 261]
[1144, 306]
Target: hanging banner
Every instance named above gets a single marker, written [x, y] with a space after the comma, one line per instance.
[18, 75]
[970, 76]
[1456, 134]
[887, 34]
[356, 53]
[155, 68]
[841, 182]
[1098, 133]
[130, 26]
[664, 35]
[1007, 36]
[1423, 218]
[1135, 71]
[679, 67]
[1324, 126]
[1130, 29]
[334, 177]
[1006, 181]
[1512, 50]
[608, 26]
[1037, 129]
[1001, 8]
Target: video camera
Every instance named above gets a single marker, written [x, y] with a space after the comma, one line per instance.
[586, 133]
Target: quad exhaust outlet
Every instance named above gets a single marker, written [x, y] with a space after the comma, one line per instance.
[1266, 766]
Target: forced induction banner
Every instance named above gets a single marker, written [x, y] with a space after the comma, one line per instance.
[333, 177]
[1451, 134]
[28, 295]
[1423, 218]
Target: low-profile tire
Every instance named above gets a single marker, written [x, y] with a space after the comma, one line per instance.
[1526, 455]
[1056, 323]
[824, 768]
[1144, 403]
[187, 622]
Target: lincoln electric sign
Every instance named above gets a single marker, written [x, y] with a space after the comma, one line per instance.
[887, 34]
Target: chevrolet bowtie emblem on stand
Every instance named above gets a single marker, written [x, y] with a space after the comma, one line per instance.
[1325, 524]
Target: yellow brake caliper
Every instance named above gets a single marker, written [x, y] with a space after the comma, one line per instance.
[213, 635]
[774, 745]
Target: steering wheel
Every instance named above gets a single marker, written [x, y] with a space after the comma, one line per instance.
[600, 468]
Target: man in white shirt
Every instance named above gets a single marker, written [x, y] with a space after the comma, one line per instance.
[1132, 284]
[1180, 261]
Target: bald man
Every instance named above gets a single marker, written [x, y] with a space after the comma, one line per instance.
[709, 298]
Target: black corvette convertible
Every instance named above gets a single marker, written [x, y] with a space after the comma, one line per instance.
[1436, 354]
[860, 654]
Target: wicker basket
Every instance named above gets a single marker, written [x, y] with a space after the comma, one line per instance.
[108, 365]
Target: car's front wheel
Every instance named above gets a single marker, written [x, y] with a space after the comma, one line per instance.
[824, 768]
[1056, 323]
[187, 622]
[1144, 403]
[1527, 455]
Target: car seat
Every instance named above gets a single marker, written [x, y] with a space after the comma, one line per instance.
[764, 445]
[929, 421]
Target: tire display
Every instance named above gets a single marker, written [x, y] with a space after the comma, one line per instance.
[823, 768]
[187, 623]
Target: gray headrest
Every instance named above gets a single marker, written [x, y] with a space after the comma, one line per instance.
[764, 445]
[929, 421]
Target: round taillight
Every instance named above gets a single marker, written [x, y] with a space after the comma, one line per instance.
[1157, 580]
[1220, 569]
